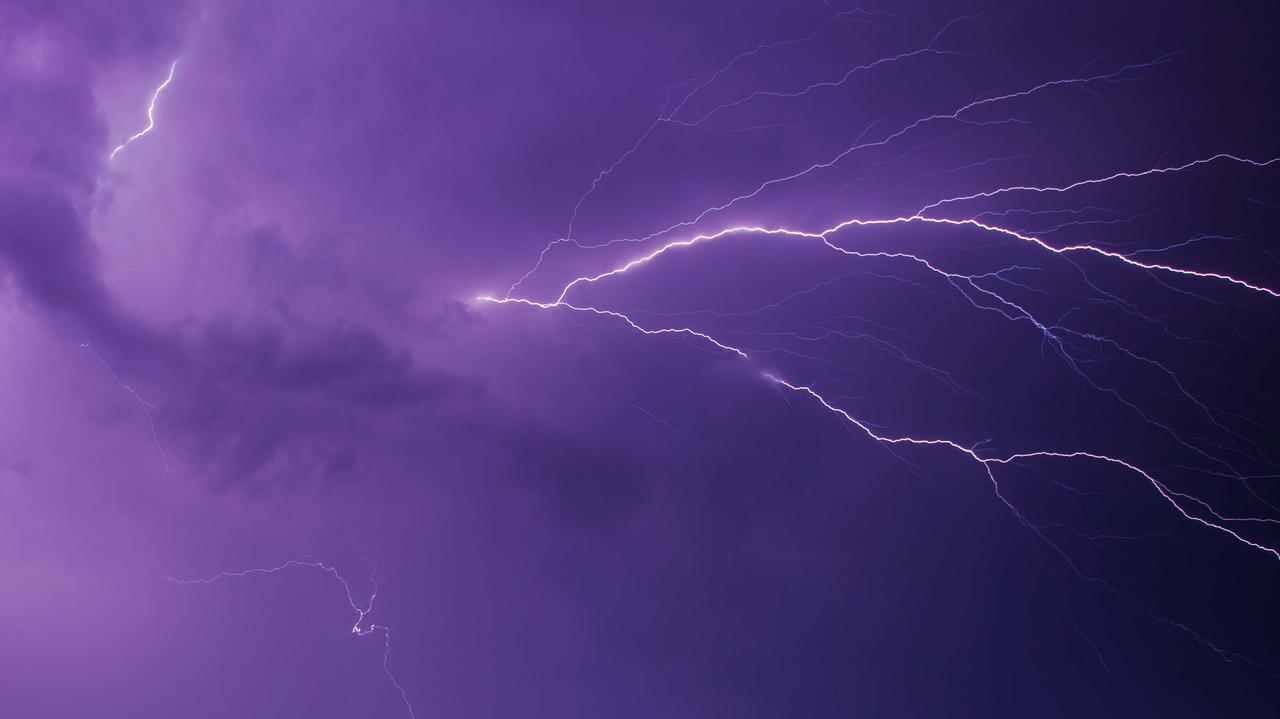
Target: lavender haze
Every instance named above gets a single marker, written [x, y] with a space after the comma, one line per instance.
[639, 359]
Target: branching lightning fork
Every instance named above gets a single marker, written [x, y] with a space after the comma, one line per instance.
[983, 291]
[361, 610]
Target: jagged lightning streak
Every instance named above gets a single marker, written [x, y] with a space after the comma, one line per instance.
[1122, 257]
[151, 113]
[987, 462]
[148, 409]
[1100, 180]
[361, 610]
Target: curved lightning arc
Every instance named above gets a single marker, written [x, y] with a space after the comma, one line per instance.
[971, 287]
[151, 113]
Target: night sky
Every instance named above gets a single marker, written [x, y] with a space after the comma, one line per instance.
[581, 358]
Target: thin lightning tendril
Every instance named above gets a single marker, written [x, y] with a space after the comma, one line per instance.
[148, 409]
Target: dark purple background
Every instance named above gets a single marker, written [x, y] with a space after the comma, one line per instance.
[253, 337]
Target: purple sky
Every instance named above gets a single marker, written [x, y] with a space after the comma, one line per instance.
[253, 339]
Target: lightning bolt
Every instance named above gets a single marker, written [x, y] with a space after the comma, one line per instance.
[1190, 508]
[361, 609]
[1078, 348]
[151, 113]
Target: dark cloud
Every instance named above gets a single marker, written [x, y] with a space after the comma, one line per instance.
[235, 389]
[248, 397]
[350, 363]
[589, 483]
[48, 255]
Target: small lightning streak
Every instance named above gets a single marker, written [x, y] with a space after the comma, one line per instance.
[616, 315]
[1100, 180]
[151, 113]
[362, 610]
[148, 409]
